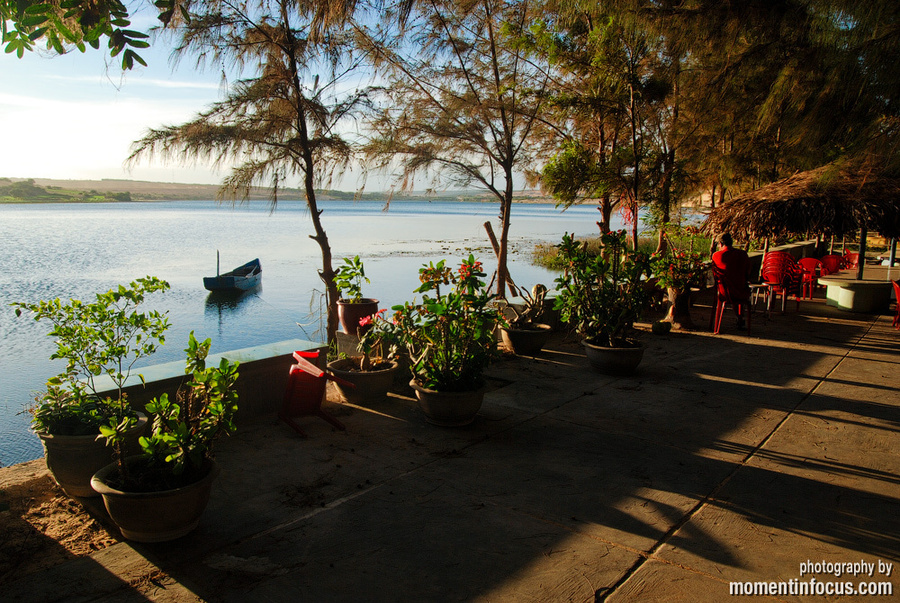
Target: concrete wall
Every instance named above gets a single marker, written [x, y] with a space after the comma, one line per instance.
[262, 379]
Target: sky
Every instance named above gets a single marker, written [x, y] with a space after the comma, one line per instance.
[75, 116]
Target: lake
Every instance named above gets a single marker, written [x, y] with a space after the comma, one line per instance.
[74, 251]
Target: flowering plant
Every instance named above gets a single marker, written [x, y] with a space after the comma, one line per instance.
[378, 336]
[602, 295]
[449, 335]
[678, 270]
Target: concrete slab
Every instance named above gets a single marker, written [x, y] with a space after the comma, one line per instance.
[724, 458]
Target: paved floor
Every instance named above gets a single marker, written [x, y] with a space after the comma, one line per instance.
[727, 458]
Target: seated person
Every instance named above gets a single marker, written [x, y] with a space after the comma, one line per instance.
[734, 267]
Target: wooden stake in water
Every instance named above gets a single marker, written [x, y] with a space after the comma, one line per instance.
[217, 263]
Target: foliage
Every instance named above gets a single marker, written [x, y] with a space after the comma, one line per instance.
[379, 339]
[601, 296]
[77, 24]
[184, 431]
[464, 101]
[104, 337]
[675, 267]
[285, 120]
[349, 279]
[449, 335]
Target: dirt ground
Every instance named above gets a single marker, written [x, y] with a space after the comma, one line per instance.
[41, 526]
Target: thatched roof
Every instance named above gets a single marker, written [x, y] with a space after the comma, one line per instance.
[826, 200]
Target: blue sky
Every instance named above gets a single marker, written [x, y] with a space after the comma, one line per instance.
[75, 116]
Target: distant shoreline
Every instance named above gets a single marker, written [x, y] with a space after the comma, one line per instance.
[101, 191]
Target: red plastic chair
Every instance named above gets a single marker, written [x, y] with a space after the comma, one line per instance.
[897, 304]
[783, 275]
[851, 260]
[831, 264]
[811, 267]
[723, 298]
[305, 392]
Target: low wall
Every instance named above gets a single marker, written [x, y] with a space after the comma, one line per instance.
[263, 375]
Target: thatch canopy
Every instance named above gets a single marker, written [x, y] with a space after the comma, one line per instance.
[827, 200]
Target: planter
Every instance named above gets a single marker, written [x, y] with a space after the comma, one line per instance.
[526, 341]
[155, 516]
[614, 361]
[350, 313]
[448, 409]
[371, 386]
[73, 460]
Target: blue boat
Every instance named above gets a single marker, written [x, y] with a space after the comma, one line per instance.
[242, 278]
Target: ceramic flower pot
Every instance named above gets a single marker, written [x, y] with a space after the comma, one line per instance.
[370, 386]
[350, 313]
[614, 361]
[526, 341]
[73, 460]
[155, 516]
[448, 409]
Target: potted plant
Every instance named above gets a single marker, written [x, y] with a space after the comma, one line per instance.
[450, 338]
[103, 337]
[524, 334]
[352, 306]
[160, 494]
[601, 296]
[371, 374]
[678, 271]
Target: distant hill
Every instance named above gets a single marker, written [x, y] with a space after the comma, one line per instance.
[46, 190]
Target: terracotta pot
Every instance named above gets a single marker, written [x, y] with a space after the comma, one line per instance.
[371, 386]
[350, 313]
[614, 361]
[155, 516]
[73, 460]
[526, 341]
[448, 409]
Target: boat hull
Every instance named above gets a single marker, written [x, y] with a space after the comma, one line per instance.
[243, 278]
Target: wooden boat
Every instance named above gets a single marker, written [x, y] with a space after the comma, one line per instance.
[242, 278]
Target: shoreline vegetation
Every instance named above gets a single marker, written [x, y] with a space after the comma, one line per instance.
[46, 190]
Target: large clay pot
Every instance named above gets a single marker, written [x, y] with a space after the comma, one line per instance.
[73, 460]
[370, 386]
[526, 341]
[614, 361]
[155, 516]
[350, 313]
[448, 409]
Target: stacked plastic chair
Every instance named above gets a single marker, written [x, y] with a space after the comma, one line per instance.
[831, 264]
[783, 275]
[851, 260]
[811, 268]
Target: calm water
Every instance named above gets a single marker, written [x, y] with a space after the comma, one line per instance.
[73, 251]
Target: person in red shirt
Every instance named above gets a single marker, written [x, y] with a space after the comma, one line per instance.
[734, 265]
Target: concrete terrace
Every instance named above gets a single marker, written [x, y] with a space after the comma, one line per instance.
[726, 458]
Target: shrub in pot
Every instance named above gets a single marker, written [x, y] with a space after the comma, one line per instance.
[601, 296]
[160, 494]
[103, 337]
[450, 338]
[371, 374]
[352, 307]
[524, 334]
[678, 270]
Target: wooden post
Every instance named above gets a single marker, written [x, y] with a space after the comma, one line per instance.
[893, 254]
[863, 232]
